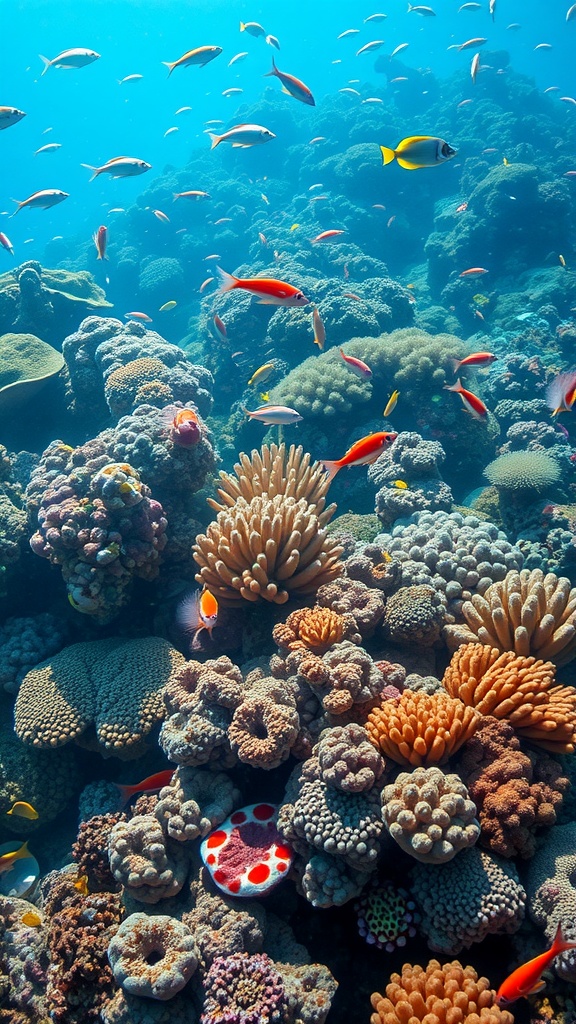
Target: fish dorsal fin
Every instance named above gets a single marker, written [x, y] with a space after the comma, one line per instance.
[411, 141]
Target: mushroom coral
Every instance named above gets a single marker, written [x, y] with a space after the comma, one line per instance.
[269, 541]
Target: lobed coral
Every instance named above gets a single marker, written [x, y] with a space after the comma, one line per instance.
[150, 866]
[347, 760]
[153, 957]
[420, 728]
[552, 892]
[414, 615]
[413, 462]
[269, 541]
[194, 802]
[26, 641]
[265, 725]
[430, 814]
[527, 612]
[200, 700]
[436, 994]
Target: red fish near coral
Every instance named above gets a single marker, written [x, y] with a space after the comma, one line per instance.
[184, 426]
[198, 611]
[149, 785]
[100, 239]
[268, 290]
[476, 359]
[246, 855]
[528, 978]
[471, 402]
[362, 452]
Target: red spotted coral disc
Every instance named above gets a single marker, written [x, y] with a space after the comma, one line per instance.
[246, 855]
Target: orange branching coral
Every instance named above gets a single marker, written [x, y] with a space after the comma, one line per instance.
[520, 690]
[526, 612]
[314, 629]
[421, 728]
[452, 994]
[269, 541]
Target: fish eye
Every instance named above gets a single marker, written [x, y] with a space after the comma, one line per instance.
[299, 297]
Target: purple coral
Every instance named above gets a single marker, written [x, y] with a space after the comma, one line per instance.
[244, 989]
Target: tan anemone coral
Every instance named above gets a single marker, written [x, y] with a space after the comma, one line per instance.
[420, 728]
[451, 994]
[269, 541]
[520, 690]
[526, 612]
[314, 629]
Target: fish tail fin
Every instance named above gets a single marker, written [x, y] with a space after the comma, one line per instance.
[95, 170]
[388, 155]
[125, 794]
[227, 281]
[455, 364]
[170, 65]
[560, 944]
[245, 411]
[331, 468]
[214, 140]
[18, 208]
[457, 386]
[242, 26]
[24, 851]
[273, 72]
[46, 63]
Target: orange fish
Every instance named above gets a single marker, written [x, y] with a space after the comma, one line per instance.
[184, 426]
[471, 402]
[476, 359]
[528, 978]
[362, 452]
[149, 785]
[100, 239]
[325, 236]
[292, 85]
[473, 272]
[198, 611]
[270, 292]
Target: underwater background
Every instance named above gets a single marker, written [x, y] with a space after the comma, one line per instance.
[288, 512]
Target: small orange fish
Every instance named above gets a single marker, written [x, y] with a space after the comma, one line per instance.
[149, 785]
[135, 315]
[268, 290]
[362, 452]
[462, 208]
[198, 611]
[81, 884]
[357, 366]
[326, 236]
[292, 85]
[351, 295]
[100, 239]
[476, 359]
[473, 272]
[527, 979]
[471, 402]
[31, 920]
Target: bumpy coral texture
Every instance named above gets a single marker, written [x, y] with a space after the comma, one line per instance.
[153, 957]
[436, 994]
[473, 896]
[25, 642]
[345, 676]
[520, 690]
[430, 814]
[415, 462]
[244, 989]
[527, 612]
[269, 541]
[195, 802]
[328, 881]
[150, 866]
[414, 615]
[114, 685]
[48, 780]
[516, 793]
[265, 724]
[523, 471]
[90, 851]
[200, 700]
[314, 629]
[420, 728]
[386, 916]
[552, 892]
[352, 597]
[347, 760]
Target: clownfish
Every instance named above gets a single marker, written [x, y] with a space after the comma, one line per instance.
[198, 611]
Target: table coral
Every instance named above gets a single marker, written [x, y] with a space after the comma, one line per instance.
[195, 802]
[436, 994]
[526, 612]
[244, 989]
[114, 685]
[430, 815]
[420, 728]
[414, 615]
[265, 725]
[517, 794]
[269, 541]
[154, 957]
[517, 689]
[149, 865]
[552, 892]
[316, 629]
[462, 902]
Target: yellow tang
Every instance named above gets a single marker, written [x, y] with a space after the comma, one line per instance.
[294, 226]
[168, 305]
[401, 485]
[391, 403]
[31, 919]
[23, 810]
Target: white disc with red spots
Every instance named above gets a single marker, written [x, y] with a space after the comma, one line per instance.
[246, 855]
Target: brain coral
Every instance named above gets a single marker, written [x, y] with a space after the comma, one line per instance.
[114, 686]
[269, 541]
[462, 902]
[451, 994]
[526, 612]
[430, 814]
[523, 471]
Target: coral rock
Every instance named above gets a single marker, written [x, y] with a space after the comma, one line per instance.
[315, 629]
[150, 866]
[152, 956]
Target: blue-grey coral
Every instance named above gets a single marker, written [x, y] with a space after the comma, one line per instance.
[552, 891]
[525, 471]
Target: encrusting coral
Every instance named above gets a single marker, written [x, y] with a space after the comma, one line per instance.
[430, 814]
[269, 541]
[526, 612]
[436, 994]
[420, 728]
[194, 802]
[552, 893]
[150, 866]
[517, 689]
[152, 956]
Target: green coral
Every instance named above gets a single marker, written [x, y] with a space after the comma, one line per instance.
[362, 527]
[26, 361]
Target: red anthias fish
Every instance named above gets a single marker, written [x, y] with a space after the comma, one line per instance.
[148, 785]
[528, 978]
[362, 452]
[100, 238]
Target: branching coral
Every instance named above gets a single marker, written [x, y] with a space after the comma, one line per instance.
[430, 814]
[451, 994]
[420, 728]
[314, 629]
[527, 612]
[269, 541]
[517, 689]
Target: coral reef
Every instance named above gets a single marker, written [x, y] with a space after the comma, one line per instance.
[244, 988]
[449, 994]
[408, 478]
[150, 866]
[552, 893]
[414, 615]
[314, 629]
[420, 728]
[153, 957]
[194, 802]
[35, 299]
[26, 641]
[386, 916]
[525, 471]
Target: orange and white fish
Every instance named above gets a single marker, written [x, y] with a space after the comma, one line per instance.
[473, 272]
[6, 243]
[149, 785]
[471, 402]
[269, 290]
[358, 367]
[119, 167]
[198, 611]
[100, 239]
[527, 979]
[218, 328]
[192, 193]
[362, 453]
[201, 55]
[319, 329]
[327, 236]
[561, 393]
[135, 315]
[43, 200]
[352, 295]
[7, 860]
[292, 85]
[476, 359]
